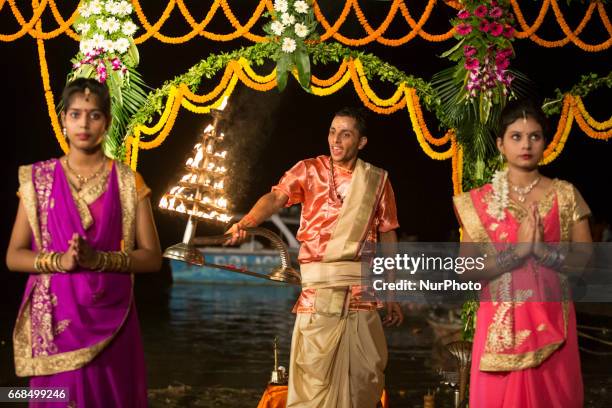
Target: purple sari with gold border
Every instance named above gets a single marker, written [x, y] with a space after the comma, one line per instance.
[80, 330]
[525, 351]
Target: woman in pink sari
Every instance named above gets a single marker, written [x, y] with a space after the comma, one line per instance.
[83, 228]
[525, 351]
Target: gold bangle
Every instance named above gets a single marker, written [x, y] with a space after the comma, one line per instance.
[58, 263]
[102, 262]
[37, 265]
[46, 262]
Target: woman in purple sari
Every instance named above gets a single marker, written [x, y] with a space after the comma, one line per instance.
[83, 229]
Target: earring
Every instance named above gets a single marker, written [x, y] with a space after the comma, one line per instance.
[64, 132]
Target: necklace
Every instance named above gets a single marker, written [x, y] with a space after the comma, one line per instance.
[333, 181]
[82, 179]
[521, 192]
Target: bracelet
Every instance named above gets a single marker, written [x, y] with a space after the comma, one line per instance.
[49, 262]
[507, 260]
[113, 262]
[553, 258]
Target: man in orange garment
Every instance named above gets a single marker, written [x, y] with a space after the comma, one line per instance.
[338, 348]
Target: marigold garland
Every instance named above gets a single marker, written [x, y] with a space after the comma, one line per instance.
[325, 91]
[606, 125]
[246, 67]
[391, 101]
[413, 100]
[228, 75]
[563, 130]
[421, 139]
[334, 78]
[529, 31]
[331, 30]
[457, 164]
[25, 27]
[366, 100]
[44, 74]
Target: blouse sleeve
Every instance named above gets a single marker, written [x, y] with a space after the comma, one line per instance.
[142, 190]
[386, 212]
[293, 184]
[580, 207]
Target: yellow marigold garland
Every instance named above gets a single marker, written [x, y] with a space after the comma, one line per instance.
[246, 67]
[324, 91]
[228, 74]
[366, 100]
[393, 100]
[413, 100]
[563, 130]
[606, 125]
[421, 139]
[334, 78]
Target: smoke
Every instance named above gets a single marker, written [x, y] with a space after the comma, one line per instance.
[248, 126]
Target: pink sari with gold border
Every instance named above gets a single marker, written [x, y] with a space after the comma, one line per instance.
[525, 351]
[79, 330]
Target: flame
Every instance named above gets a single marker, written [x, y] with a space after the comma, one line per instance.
[163, 203]
[211, 166]
[221, 169]
[174, 189]
[223, 104]
[171, 203]
[222, 203]
[209, 128]
[189, 161]
[221, 136]
[206, 200]
[194, 178]
[186, 177]
[198, 158]
[224, 218]
[221, 154]
[181, 208]
[209, 148]
[219, 185]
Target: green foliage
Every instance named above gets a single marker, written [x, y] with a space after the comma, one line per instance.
[258, 54]
[588, 83]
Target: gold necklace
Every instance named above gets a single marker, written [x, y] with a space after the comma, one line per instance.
[82, 179]
[521, 192]
[333, 181]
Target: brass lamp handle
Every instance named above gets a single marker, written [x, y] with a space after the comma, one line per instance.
[285, 272]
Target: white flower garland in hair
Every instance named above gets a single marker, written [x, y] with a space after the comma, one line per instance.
[499, 202]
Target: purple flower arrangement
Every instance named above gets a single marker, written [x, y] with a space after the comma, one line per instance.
[485, 30]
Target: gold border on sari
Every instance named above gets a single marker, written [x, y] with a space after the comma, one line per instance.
[356, 213]
[470, 219]
[513, 362]
[127, 194]
[26, 364]
[30, 203]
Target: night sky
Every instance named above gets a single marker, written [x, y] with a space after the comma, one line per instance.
[271, 131]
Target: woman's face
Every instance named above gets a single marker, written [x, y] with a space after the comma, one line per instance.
[523, 143]
[85, 122]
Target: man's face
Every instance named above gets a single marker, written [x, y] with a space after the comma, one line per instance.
[344, 139]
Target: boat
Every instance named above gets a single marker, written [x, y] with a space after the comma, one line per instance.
[251, 255]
